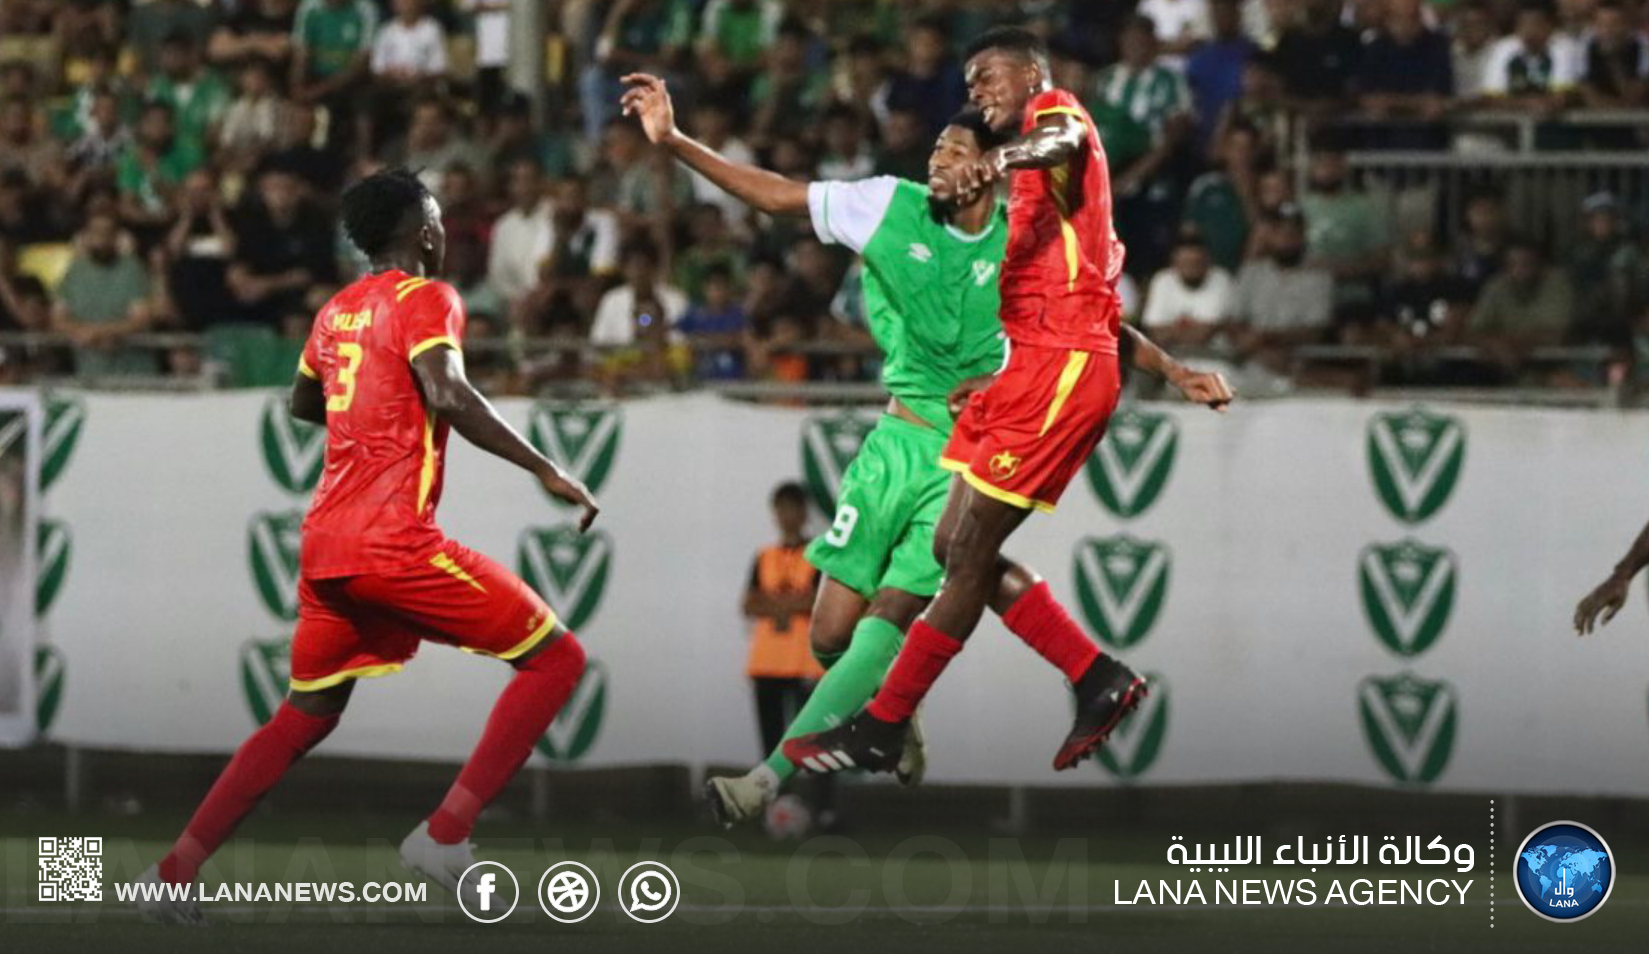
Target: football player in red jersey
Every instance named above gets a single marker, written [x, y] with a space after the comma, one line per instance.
[384, 373]
[1023, 433]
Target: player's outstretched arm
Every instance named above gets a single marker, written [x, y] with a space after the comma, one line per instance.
[1203, 387]
[308, 400]
[450, 395]
[1054, 139]
[648, 100]
[1610, 595]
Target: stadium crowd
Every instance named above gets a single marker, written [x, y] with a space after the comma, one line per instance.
[174, 166]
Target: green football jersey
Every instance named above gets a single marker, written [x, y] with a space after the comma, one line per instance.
[930, 289]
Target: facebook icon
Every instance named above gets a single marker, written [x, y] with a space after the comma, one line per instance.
[481, 892]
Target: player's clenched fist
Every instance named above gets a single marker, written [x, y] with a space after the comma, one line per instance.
[648, 100]
[1204, 387]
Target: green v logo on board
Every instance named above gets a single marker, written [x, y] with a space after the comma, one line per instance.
[1415, 457]
[577, 725]
[65, 416]
[1408, 592]
[265, 667]
[1137, 740]
[1410, 725]
[272, 544]
[582, 438]
[569, 569]
[48, 683]
[1120, 584]
[54, 543]
[829, 444]
[1130, 467]
[293, 450]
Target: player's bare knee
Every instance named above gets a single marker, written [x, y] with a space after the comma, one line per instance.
[322, 703]
[897, 607]
[829, 638]
[1013, 581]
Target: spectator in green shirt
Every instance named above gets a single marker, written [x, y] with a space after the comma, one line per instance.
[333, 44]
[1222, 202]
[104, 297]
[1143, 111]
[741, 30]
[198, 96]
[1526, 306]
[1347, 233]
[149, 172]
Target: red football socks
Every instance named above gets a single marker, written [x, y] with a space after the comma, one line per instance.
[1039, 620]
[925, 654]
[540, 688]
[259, 763]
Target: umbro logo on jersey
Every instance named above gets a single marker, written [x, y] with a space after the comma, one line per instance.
[921, 252]
[982, 272]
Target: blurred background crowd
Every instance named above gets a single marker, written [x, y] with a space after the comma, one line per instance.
[1339, 193]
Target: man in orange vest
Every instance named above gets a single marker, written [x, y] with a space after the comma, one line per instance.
[777, 602]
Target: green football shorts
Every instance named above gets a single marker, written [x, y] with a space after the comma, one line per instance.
[886, 511]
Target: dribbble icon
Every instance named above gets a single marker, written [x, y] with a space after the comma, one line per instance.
[1565, 871]
[648, 892]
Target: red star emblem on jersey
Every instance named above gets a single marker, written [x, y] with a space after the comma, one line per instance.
[1003, 465]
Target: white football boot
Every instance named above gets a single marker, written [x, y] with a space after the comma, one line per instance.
[161, 907]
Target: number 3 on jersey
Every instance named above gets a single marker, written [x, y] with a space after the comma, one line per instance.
[351, 354]
[842, 527]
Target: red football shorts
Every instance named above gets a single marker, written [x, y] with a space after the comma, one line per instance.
[371, 624]
[1025, 437]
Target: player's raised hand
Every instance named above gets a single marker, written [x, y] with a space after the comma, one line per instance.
[648, 100]
[1606, 600]
[569, 488]
[1205, 387]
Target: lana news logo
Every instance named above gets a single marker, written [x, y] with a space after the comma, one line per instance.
[293, 450]
[1410, 724]
[1130, 468]
[1415, 458]
[582, 438]
[829, 444]
[1564, 871]
[1408, 593]
[1137, 740]
[1121, 585]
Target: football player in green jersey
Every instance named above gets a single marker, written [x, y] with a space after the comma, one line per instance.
[931, 300]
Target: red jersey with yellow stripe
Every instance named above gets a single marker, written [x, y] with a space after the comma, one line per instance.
[1060, 270]
[375, 508]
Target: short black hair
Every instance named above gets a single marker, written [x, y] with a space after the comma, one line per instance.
[376, 209]
[790, 492]
[1011, 39]
[973, 121]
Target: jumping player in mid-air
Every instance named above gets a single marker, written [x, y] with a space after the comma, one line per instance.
[1023, 436]
[931, 302]
[383, 372]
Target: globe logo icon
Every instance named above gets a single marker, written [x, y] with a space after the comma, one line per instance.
[568, 892]
[1564, 871]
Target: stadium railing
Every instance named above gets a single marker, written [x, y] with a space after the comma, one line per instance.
[534, 361]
